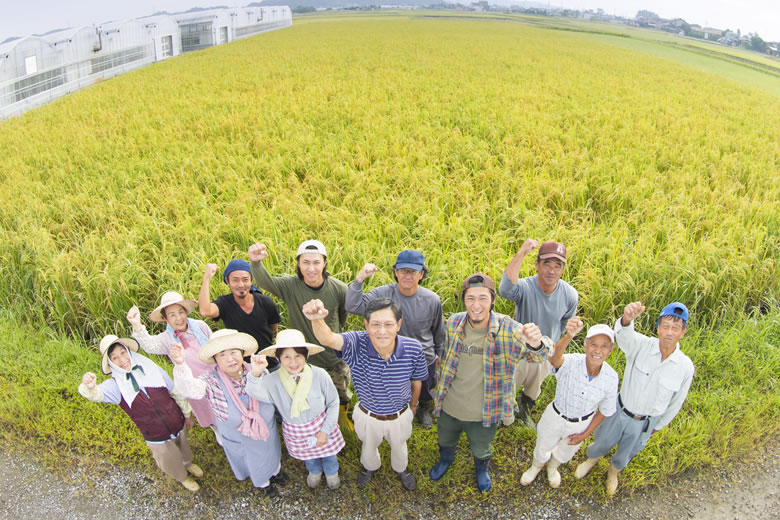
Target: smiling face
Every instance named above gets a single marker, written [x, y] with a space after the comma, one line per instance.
[120, 357]
[478, 301]
[382, 328]
[549, 271]
[239, 282]
[670, 331]
[176, 316]
[291, 360]
[231, 362]
[312, 265]
[597, 350]
[408, 280]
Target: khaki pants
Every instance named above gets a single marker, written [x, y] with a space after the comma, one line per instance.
[530, 376]
[341, 377]
[173, 456]
[372, 432]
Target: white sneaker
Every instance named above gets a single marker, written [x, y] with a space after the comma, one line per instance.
[313, 480]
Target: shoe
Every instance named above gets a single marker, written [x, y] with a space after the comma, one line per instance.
[344, 421]
[280, 479]
[333, 481]
[364, 477]
[524, 411]
[584, 468]
[553, 477]
[530, 473]
[446, 457]
[484, 483]
[195, 470]
[191, 485]
[313, 480]
[407, 480]
[270, 491]
[612, 480]
[424, 417]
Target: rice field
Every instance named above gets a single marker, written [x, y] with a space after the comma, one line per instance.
[460, 138]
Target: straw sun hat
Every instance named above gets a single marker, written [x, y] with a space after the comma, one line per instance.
[291, 338]
[106, 343]
[171, 298]
[227, 339]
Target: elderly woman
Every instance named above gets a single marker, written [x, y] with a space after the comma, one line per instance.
[181, 330]
[247, 426]
[308, 402]
[146, 394]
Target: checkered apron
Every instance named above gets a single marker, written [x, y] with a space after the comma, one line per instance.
[296, 438]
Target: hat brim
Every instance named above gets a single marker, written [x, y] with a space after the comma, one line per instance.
[238, 340]
[553, 255]
[416, 267]
[130, 343]
[271, 351]
[157, 317]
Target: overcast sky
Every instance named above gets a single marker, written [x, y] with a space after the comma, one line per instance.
[24, 17]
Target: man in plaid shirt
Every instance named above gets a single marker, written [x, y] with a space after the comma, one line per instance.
[476, 374]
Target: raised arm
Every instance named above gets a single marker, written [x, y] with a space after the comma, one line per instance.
[150, 344]
[512, 270]
[356, 302]
[573, 327]
[257, 253]
[316, 312]
[183, 380]
[205, 306]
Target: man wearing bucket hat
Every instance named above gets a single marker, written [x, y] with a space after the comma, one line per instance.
[247, 426]
[421, 308]
[245, 309]
[585, 394]
[475, 377]
[312, 281]
[307, 401]
[655, 384]
[146, 394]
[388, 371]
[543, 299]
[180, 329]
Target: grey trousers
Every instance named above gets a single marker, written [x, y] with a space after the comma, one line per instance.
[629, 434]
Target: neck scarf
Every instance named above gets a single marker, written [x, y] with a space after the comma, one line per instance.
[192, 328]
[143, 374]
[298, 391]
[252, 425]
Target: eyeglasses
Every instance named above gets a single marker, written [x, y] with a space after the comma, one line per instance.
[407, 272]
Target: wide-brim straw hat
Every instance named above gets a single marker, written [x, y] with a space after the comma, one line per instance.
[291, 338]
[171, 298]
[227, 339]
[106, 343]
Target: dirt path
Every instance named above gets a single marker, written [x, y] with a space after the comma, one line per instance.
[748, 490]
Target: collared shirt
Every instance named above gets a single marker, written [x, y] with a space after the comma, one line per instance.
[504, 347]
[577, 395]
[383, 386]
[650, 386]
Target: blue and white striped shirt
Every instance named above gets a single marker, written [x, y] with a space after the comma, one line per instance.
[383, 387]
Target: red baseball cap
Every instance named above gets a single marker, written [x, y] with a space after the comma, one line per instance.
[553, 250]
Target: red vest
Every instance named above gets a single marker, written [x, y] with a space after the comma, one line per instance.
[157, 415]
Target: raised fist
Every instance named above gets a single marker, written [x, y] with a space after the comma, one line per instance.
[631, 312]
[529, 245]
[211, 270]
[259, 363]
[315, 310]
[134, 318]
[533, 336]
[366, 272]
[574, 326]
[258, 252]
[89, 380]
[177, 354]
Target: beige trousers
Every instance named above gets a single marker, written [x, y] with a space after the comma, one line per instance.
[372, 432]
[530, 376]
[173, 456]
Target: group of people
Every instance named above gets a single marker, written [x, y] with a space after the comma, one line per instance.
[408, 363]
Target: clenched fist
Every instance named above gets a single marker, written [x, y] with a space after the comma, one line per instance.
[315, 310]
[211, 270]
[259, 364]
[366, 272]
[258, 252]
[89, 380]
[177, 354]
[134, 318]
[631, 312]
[533, 336]
[529, 245]
[574, 326]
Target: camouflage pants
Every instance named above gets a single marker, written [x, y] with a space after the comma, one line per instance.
[341, 377]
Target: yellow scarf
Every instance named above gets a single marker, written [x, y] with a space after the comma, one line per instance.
[298, 391]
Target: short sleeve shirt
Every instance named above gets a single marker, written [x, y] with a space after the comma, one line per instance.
[257, 323]
[577, 395]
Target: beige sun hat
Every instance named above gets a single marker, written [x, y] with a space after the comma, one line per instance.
[106, 343]
[291, 338]
[171, 298]
[227, 339]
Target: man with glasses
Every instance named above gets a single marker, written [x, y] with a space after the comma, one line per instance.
[543, 299]
[421, 308]
[387, 373]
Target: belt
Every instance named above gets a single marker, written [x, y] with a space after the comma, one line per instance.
[630, 413]
[379, 417]
[579, 419]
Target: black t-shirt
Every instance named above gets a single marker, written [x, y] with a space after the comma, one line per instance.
[257, 323]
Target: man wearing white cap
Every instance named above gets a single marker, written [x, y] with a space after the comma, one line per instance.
[311, 282]
[656, 381]
[543, 299]
[585, 394]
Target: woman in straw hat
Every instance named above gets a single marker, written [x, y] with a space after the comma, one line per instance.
[247, 426]
[307, 401]
[180, 330]
[146, 394]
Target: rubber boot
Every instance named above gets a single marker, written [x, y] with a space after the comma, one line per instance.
[446, 457]
[483, 474]
[553, 477]
[525, 408]
[344, 421]
[612, 480]
[584, 468]
[530, 473]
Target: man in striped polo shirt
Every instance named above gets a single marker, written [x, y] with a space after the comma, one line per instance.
[387, 373]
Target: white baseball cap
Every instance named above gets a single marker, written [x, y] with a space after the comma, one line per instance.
[312, 246]
[601, 329]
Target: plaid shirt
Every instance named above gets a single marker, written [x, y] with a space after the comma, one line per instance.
[504, 347]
